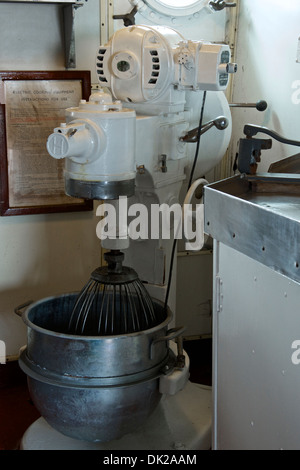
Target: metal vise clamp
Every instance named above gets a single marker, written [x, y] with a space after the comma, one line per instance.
[250, 149]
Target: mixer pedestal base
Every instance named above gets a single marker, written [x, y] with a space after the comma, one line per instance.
[181, 422]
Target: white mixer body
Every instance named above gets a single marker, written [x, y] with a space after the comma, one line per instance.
[143, 64]
[129, 143]
[135, 143]
[160, 77]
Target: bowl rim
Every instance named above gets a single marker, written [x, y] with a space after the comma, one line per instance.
[30, 324]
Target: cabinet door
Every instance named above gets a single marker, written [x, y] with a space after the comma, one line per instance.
[255, 364]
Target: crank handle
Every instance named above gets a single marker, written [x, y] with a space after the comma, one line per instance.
[220, 123]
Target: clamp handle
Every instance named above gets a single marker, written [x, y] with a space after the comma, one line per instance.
[250, 130]
[219, 5]
[128, 18]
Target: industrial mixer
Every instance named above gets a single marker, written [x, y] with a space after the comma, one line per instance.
[101, 365]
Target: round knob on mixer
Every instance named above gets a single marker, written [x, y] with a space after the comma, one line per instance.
[261, 105]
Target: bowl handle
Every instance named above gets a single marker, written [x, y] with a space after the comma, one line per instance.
[18, 310]
[171, 334]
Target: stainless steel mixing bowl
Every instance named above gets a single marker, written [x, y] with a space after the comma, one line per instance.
[93, 388]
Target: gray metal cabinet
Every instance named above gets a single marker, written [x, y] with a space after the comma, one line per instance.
[256, 315]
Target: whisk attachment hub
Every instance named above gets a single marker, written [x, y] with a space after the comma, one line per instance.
[114, 272]
[113, 302]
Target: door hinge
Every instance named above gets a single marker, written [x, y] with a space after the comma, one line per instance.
[219, 294]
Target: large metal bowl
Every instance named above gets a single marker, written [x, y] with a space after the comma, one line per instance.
[93, 388]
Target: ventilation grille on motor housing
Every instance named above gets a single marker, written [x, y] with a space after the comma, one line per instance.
[155, 67]
[100, 71]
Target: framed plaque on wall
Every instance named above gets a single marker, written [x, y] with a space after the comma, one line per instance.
[32, 105]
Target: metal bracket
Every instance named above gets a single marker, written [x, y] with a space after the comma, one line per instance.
[68, 9]
[69, 36]
[249, 154]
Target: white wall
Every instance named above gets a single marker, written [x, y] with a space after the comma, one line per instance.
[32, 36]
[87, 36]
[267, 41]
[43, 255]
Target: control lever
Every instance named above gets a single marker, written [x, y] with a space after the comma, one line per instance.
[250, 149]
[220, 123]
[260, 105]
[219, 5]
[250, 130]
